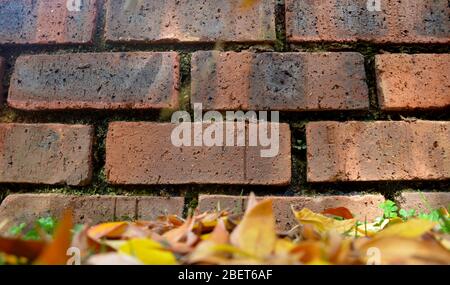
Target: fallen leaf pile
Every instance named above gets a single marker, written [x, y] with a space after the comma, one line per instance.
[331, 237]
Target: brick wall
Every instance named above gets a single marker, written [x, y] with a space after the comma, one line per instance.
[87, 96]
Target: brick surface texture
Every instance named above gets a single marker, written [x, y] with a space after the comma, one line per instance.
[423, 202]
[27, 208]
[46, 154]
[378, 151]
[361, 206]
[279, 81]
[143, 153]
[190, 21]
[137, 80]
[88, 93]
[424, 21]
[47, 22]
[2, 73]
[420, 81]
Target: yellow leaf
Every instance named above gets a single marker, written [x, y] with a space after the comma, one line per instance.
[256, 233]
[213, 253]
[410, 229]
[322, 223]
[283, 246]
[371, 229]
[399, 250]
[148, 251]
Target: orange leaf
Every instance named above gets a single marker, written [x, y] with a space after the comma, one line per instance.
[55, 253]
[339, 212]
[107, 230]
[22, 248]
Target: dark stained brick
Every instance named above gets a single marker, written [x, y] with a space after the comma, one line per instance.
[424, 21]
[279, 81]
[135, 80]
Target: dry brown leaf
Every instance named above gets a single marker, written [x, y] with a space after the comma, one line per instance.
[323, 224]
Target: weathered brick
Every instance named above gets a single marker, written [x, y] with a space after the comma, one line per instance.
[279, 81]
[418, 81]
[190, 21]
[378, 151]
[361, 206]
[27, 208]
[47, 21]
[424, 21]
[143, 153]
[423, 202]
[135, 80]
[46, 153]
[2, 73]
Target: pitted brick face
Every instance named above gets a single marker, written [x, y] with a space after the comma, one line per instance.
[378, 151]
[47, 22]
[46, 154]
[135, 80]
[142, 153]
[424, 21]
[190, 21]
[2, 73]
[279, 81]
[423, 202]
[408, 82]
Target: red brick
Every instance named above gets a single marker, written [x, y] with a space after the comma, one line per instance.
[279, 81]
[135, 80]
[378, 151]
[418, 81]
[2, 73]
[142, 153]
[27, 208]
[424, 21]
[46, 22]
[190, 21]
[423, 202]
[46, 153]
[360, 205]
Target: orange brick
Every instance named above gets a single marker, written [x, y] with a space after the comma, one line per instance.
[419, 81]
[378, 151]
